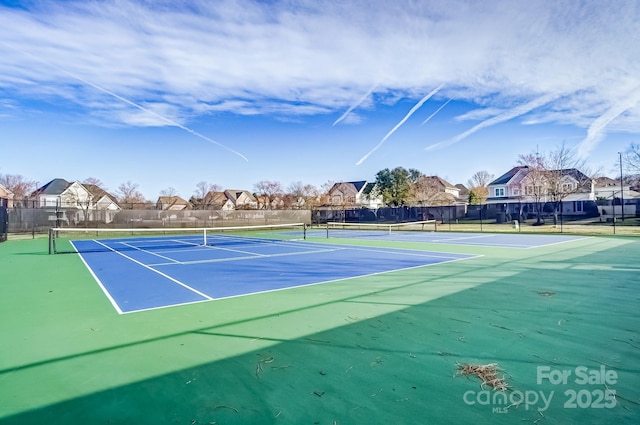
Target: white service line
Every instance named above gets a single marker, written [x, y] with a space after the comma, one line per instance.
[250, 257]
[149, 252]
[156, 271]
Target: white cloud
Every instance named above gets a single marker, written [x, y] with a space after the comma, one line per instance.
[286, 58]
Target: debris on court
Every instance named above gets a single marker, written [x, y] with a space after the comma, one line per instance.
[487, 373]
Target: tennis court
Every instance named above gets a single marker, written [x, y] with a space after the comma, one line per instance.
[395, 233]
[170, 271]
[338, 330]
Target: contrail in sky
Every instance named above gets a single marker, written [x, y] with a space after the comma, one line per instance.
[437, 110]
[402, 121]
[135, 105]
[505, 116]
[596, 129]
[355, 105]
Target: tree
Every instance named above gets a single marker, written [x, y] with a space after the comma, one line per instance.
[200, 200]
[170, 191]
[324, 191]
[480, 179]
[307, 192]
[552, 177]
[478, 190]
[18, 185]
[93, 181]
[564, 177]
[395, 185]
[268, 189]
[632, 158]
[80, 197]
[128, 194]
[534, 182]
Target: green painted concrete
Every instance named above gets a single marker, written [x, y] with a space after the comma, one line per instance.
[379, 350]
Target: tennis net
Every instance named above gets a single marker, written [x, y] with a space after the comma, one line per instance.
[72, 240]
[363, 230]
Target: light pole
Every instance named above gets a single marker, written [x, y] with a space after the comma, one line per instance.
[621, 187]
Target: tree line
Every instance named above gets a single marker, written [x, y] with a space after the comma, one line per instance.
[398, 186]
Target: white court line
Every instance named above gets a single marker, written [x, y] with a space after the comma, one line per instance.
[149, 252]
[464, 238]
[399, 251]
[312, 284]
[559, 242]
[109, 297]
[251, 257]
[156, 271]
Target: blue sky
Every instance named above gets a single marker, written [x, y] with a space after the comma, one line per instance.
[171, 93]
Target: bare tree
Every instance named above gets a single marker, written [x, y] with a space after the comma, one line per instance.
[19, 186]
[480, 179]
[77, 196]
[552, 177]
[534, 182]
[478, 190]
[93, 181]
[632, 158]
[128, 194]
[430, 192]
[297, 191]
[268, 189]
[564, 177]
[200, 200]
[170, 191]
[324, 191]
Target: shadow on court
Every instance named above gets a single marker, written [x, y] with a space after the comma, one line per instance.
[561, 311]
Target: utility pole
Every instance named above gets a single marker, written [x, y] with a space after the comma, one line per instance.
[621, 187]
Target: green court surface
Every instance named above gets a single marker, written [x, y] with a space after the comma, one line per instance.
[561, 321]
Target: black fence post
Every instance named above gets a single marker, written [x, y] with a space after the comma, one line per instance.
[4, 223]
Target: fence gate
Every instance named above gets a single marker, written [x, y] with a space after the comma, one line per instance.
[4, 223]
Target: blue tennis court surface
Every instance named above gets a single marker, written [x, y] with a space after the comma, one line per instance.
[141, 274]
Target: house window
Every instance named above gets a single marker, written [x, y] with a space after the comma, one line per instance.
[499, 191]
[533, 190]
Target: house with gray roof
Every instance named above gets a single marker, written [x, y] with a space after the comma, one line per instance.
[70, 203]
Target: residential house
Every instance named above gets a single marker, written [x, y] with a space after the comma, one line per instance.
[172, 203]
[435, 191]
[610, 195]
[463, 191]
[241, 199]
[523, 191]
[105, 204]
[274, 202]
[6, 197]
[216, 200]
[359, 194]
[73, 202]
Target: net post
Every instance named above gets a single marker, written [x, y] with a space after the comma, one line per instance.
[204, 236]
[304, 231]
[327, 229]
[50, 242]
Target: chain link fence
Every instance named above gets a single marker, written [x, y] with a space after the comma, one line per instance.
[594, 219]
[35, 221]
